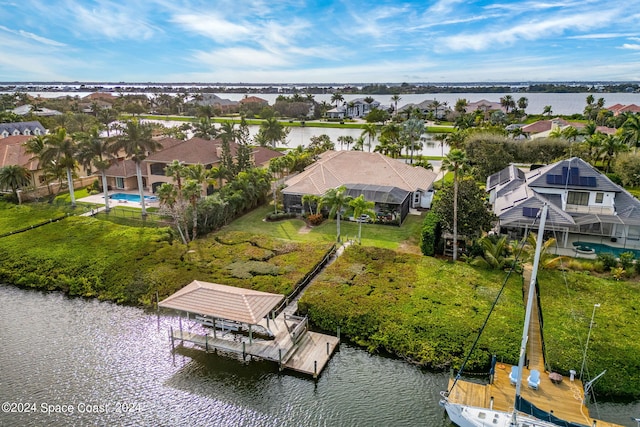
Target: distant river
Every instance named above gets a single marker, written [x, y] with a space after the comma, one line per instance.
[561, 103]
[73, 361]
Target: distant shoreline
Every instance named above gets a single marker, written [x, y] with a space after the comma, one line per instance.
[317, 88]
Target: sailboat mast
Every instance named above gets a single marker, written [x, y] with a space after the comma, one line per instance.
[529, 308]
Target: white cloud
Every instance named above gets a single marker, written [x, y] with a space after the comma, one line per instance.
[546, 28]
[631, 46]
[213, 26]
[114, 21]
[31, 36]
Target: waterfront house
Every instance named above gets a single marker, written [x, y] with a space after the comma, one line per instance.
[581, 201]
[122, 173]
[355, 109]
[213, 100]
[428, 107]
[393, 185]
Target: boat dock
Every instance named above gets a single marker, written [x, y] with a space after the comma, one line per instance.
[564, 399]
[294, 347]
[250, 323]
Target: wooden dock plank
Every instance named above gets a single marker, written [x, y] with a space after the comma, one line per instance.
[313, 349]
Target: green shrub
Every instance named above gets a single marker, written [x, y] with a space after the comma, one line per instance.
[431, 231]
[626, 260]
[280, 216]
[608, 260]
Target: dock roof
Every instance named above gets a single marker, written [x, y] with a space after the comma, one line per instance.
[223, 302]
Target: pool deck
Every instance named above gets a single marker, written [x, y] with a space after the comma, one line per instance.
[570, 250]
[99, 200]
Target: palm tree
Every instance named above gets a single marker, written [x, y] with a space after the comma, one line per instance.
[346, 140]
[412, 131]
[137, 143]
[523, 103]
[337, 97]
[310, 200]
[496, 253]
[205, 129]
[547, 110]
[61, 149]
[361, 207]
[507, 103]
[337, 199]
[192, 191]
[272, 132]
[177, 170]
[395, 98]
[14, 177]
[96, 151]
[455, 162]
[611, 146]
[168, 196]
[631, 130]
[370, 130]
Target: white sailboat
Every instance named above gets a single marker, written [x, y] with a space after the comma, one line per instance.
[471, 416]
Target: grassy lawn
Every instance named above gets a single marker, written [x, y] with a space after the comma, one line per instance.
[382, 236]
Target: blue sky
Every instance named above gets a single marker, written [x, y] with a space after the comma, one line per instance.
[291, 41]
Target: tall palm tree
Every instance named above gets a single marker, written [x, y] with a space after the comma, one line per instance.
[95, 151]
[412, 131]
[370, 130]
[61, 149]
[192, 191]
[14, 177]
[395, 98]
[455, 162]
[547, 110]
[337, 199]
[137, 143]
[361, 206]
[345, 140]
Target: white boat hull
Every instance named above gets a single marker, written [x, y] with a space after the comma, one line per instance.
[470, 416]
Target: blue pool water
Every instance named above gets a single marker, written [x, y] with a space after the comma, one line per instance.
[132, 197]
[601, 248]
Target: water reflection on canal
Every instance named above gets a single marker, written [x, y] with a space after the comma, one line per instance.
[74, 361]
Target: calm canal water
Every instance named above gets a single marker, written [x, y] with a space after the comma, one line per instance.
[79, 362]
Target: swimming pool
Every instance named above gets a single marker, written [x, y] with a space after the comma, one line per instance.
[601, 248]
[134, 198]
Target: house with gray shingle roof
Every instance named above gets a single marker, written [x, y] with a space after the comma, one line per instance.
[581, 201]
[393, 185]
[21, 128]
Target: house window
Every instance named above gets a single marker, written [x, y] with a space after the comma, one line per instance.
[157, 169]
[119, 182]
[578, 198]
[599, 197]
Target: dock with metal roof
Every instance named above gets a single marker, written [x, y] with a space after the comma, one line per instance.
[235, 320]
